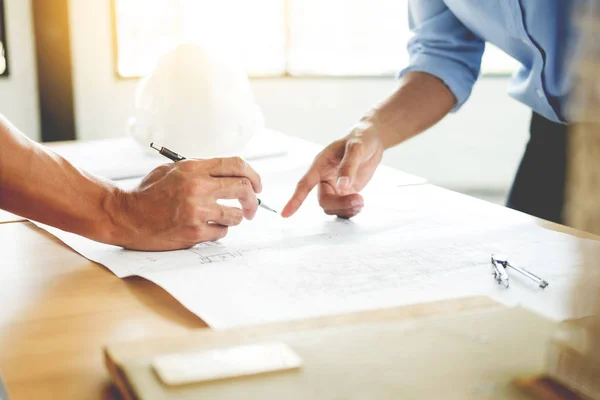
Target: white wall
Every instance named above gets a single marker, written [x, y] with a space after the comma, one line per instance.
[479, 147]
[18, 92]
[476, 149]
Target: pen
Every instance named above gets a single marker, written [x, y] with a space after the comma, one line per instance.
[171, 155]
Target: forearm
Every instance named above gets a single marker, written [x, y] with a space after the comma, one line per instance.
[420, 102]
[38, 184]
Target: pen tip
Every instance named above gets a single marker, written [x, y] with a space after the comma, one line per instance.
[266, 207]
[155, 147]
[270, 209]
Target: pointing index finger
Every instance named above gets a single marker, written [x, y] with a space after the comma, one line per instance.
[303, 188]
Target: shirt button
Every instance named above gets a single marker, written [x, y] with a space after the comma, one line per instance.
[540, 93]
[525, 41]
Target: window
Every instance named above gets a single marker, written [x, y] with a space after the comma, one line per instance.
[276, 37]
[3, 52]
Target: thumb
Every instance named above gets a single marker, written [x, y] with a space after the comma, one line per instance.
[349, 166]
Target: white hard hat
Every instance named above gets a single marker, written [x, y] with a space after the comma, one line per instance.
[196, 102]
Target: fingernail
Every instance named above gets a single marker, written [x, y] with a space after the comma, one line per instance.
[343, 183]
[356, 210]
[356, 203]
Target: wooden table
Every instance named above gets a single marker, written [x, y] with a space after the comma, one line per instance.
[59, 310]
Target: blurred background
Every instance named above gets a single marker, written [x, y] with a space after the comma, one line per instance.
[69, 69]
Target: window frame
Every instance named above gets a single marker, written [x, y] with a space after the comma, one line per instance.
[3, 40]
[285, 75]
[115, 44]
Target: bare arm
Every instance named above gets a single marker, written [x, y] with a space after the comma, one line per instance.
[38, 184]
[345, 167]
[444, 63]
[420, 102]
[174, 207]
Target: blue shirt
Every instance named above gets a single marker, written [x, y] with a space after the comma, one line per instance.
[450, 36]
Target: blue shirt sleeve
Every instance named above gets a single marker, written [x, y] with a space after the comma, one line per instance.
[442, 46]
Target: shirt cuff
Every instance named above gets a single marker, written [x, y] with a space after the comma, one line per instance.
[456, 76]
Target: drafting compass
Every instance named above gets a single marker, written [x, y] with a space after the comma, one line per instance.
[500, 265]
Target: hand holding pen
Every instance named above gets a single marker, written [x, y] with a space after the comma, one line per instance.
[171, 155]
[176, 205]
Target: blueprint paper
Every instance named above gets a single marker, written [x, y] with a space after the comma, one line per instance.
[410, 244]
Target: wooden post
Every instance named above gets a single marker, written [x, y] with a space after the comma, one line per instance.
[54, 69]
[576, 361]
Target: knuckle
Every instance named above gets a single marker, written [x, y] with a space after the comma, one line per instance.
[238, 216]
[239, 162]
[162, 169]
[354, 142]
[353, 146]
[319, 158]
[221, 163]
[156, 174]
[186, 165]
[245, 184]
[332, 152]
[335, 147]
[176, 175]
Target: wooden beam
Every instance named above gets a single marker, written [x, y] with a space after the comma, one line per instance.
[54, 69]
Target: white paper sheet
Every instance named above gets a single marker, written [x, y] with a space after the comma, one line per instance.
[5, 216]
[410, 244]
[122, 158]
